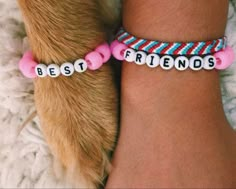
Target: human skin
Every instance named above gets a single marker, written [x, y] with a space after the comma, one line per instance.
[174, 133]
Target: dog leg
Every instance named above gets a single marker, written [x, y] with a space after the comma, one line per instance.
[79, 113]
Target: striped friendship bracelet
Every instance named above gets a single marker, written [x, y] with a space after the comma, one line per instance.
[195, 55]
[177, 48]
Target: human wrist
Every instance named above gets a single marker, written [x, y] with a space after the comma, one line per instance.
[160, 25]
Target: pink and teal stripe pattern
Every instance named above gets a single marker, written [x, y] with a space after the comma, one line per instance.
[178, 48]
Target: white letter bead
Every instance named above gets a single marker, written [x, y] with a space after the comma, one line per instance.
[140, 58]
[80, 65]
[53, 70]
[41, 70]
[67, 69]
[181, 63]
[152, 60]
[129, 55]
[209, 62]
[196, 63]
[167, 62]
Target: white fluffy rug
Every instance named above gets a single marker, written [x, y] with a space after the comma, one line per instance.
[25, 160]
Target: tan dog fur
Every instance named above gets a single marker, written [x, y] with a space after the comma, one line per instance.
[78, 114]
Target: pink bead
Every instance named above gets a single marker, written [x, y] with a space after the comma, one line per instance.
[27, 65]
[94, 60]
[113, 44]
[224, 58]
[118, 49]
[105, 51]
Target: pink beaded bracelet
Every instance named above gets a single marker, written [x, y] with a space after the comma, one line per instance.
[93, 61]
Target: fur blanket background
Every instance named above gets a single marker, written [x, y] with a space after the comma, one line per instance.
[25, 160]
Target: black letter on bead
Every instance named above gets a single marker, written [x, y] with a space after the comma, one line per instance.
[67, 70]
[151, 63]
[182, 63]
[211, 62]
[52, 73]
[127, 54]
[81, 66]
[197, 63]
[138, 57]
[39, 71]
[165, 62]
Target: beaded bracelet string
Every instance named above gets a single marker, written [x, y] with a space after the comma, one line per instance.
[92, 61]
[195, 55]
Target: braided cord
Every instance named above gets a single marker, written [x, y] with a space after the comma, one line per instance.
[189, 48]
